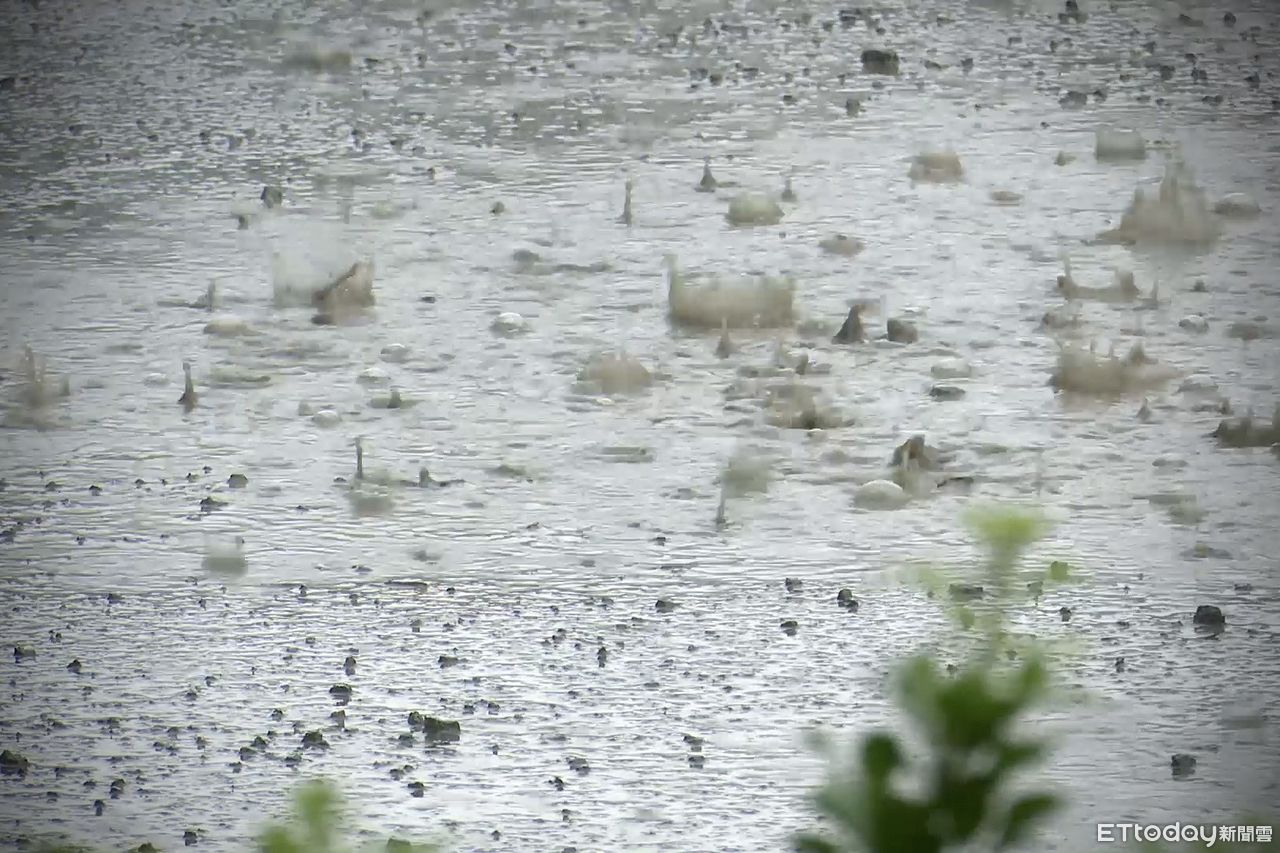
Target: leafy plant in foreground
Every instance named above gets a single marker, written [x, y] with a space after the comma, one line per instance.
[315, 826]
[960, 792]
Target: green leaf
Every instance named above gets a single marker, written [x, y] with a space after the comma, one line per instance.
[814, 844]
[1023, 816]
[880, 756]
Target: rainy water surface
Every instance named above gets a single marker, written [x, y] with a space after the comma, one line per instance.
[476, 154]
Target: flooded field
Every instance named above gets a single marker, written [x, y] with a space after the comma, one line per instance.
[208, 600]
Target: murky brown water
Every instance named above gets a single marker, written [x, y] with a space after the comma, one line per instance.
[128, 140]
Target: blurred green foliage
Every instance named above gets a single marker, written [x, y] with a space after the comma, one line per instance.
[316, 826]
[957, 795]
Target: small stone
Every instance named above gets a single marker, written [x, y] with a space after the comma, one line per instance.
[13, 764]
[1207, 614]
[946, 392]
[441, 731]
[189, 838]
[697, 761]
[845, 599]
[792, 584]
[341, 692]
[1183, 765]
[876, 61]
[1065, 613]
[315, 739]
[349, 665]
[790, 627]
[416, 789]
[664, 605]
[237, 481]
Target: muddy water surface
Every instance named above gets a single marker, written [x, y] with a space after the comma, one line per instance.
[131, 141]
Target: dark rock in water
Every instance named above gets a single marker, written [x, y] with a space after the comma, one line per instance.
[189, 838]
[1072, 13]
[209, 504]
[416, 720]
[13, 764]
[1242, 587]
[145, 847]
[851, 331]
[446, 661]
[315, 739]
[965, 591]
[1207, 614]
[790, 627]
[697, 761]
[74, 667]
[793, 584]
[845, 599]
[99, 807]
[349, 665]
[341, 692]
[416, 789]
[441, 731]
[1229, 19]
[578, 765]
[237, 481]
[1183, 765]
[272, 196]
[665, 605]
[21, 653]
[880, 61]
[902, 331]
[944, 393]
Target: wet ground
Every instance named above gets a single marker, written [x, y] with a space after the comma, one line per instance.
[130, 144]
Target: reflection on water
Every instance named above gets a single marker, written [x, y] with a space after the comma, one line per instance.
[478, 156]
